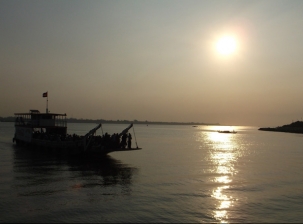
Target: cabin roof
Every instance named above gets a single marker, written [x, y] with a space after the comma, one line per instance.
[34, 111]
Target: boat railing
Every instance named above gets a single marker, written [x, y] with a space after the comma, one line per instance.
[27, 120]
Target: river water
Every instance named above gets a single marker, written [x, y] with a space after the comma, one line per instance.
[182, 174]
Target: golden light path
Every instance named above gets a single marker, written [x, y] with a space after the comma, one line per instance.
[223, 155]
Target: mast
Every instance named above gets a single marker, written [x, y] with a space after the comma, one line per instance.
[46, 95]
[47, 103]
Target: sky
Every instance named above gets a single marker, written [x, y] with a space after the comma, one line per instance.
[153, 60]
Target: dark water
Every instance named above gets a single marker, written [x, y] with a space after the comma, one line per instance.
[183, 174]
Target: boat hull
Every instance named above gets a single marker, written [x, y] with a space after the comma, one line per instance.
[70, 147]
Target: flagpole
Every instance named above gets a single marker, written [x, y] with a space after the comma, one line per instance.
[47, 102]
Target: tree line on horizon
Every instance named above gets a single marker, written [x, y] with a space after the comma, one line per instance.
[81, 120]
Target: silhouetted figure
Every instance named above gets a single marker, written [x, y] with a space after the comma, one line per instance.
[117, 140]
[22, 121]
[123, 142]
[106, 139]
[129, 141]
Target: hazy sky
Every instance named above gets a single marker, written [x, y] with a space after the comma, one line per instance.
[153, 60]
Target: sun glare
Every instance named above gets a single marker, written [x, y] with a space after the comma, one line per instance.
[226, 45]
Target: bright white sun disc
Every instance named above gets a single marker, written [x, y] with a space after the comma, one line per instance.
[226, 45]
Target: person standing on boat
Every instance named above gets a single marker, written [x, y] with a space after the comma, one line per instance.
[123, 142]
[129, 141]
[117, 140]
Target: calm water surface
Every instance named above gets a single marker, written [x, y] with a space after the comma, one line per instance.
[183, 174]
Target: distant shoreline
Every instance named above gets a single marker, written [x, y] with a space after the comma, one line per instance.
[295, 127]
[75, 120]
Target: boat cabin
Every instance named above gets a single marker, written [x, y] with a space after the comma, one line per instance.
[50, 123]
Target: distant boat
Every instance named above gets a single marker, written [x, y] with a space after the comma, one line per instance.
[195, 126]
[232, 132]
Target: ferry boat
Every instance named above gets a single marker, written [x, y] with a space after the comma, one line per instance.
[49, 131]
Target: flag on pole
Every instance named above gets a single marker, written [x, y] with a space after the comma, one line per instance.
[44, 94]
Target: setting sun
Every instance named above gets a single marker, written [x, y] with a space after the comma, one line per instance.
[226, 45]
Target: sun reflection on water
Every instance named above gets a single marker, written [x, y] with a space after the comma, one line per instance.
[223, 155]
